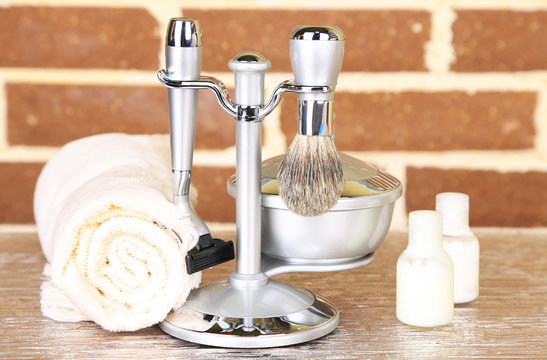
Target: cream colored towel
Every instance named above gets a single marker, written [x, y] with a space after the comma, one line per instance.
[115, 244]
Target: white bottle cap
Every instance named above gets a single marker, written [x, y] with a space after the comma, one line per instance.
[455, 210]
[425, 230]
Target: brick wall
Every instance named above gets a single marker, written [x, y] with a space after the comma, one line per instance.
[446, 95]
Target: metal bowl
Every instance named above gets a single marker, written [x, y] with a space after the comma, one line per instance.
[353, 228]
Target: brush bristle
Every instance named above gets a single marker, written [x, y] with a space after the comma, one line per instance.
[311, 176]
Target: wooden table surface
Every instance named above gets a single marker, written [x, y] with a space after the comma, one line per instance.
[507, 321]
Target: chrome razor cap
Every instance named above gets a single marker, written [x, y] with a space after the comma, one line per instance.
[322, 33]
[183, 32]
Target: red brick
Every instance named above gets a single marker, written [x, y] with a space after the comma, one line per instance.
[215, 129]
[451, 120]
[214, 203]
[55, 114]
[70, 37]
[17, 181]
[516, 199]
[375, 40]
[500, 40]
[52, 115]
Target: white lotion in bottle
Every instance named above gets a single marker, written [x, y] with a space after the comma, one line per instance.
[461, 244]
[425, 274]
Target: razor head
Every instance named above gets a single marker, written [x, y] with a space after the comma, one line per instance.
[208, 253]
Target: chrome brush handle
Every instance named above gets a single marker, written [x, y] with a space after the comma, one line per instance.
[316, 58]
[316, 54]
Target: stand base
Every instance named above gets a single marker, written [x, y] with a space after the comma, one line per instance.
[272, 315]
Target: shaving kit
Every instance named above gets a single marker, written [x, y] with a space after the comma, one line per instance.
[250, 309]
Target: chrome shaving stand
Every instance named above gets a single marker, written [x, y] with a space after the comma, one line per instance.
[249, 310]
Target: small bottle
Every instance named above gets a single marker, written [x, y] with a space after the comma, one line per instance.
[425, 274]
[461, 244]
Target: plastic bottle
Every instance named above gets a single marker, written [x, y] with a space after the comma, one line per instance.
[461, 244]
[425, 274]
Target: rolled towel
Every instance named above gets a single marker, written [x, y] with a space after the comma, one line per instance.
[115, 244]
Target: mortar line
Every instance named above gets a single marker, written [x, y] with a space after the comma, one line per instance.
[540, 123]
[274, 138]
[275, 141]
[218, 227]
[28, 153]
[215, 158]
[91, 3]
[439, 51]
[515, 160]
[3, 117]
[78, 76]
[18, 228]
[64, 76]
[497, 160]
[426, 81]
[525, 5]
[395, 82]
[397, 168]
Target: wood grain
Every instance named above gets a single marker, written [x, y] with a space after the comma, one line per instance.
[507, 321]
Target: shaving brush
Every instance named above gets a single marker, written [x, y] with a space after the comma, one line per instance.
[311, 176]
